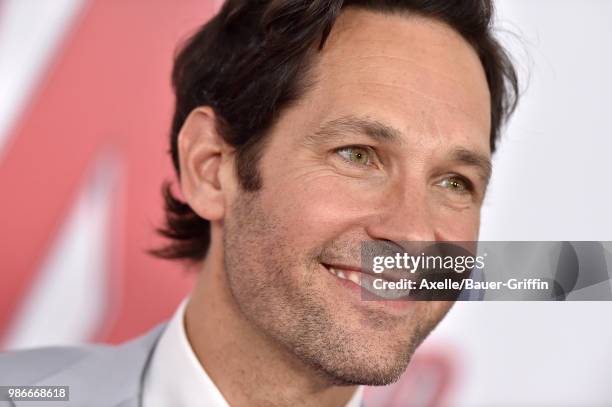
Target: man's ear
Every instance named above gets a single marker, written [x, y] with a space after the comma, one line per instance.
[200, 150]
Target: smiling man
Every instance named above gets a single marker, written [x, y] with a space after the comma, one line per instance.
[303, 129]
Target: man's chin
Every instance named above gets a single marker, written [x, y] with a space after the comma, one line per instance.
[363, 347]
[364, 374]
[374, 367]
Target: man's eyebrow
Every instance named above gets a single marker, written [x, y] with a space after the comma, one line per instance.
[338, 128]
[474, 159]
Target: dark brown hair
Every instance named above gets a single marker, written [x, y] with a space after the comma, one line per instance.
[250, 62]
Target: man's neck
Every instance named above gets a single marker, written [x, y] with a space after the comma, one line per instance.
[249, 367]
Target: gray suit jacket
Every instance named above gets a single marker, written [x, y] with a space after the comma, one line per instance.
[98, 375]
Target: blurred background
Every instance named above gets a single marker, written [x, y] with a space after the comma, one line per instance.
[85, 108]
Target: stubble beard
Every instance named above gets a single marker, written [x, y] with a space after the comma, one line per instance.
[261, 268]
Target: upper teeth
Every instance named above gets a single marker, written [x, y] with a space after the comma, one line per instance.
[346, 275]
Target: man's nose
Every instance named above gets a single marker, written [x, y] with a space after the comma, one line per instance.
[404, 214]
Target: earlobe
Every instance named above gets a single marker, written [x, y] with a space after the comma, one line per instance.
[200, 157]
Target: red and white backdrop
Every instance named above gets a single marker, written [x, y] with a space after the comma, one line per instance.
[85, 107]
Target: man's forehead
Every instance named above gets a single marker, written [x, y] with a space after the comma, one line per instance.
[418, 37]
[404, 61]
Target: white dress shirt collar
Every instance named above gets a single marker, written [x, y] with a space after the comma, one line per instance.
[176, 378]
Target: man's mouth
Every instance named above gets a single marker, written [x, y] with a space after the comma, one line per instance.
[358, 275]
[394, 285]
[345, 274]
[365, 280]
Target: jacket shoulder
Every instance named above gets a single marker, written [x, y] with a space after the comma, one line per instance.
[96, 375]
[27, 366]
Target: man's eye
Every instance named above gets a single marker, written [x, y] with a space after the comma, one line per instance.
[357, 155]
[456, 184]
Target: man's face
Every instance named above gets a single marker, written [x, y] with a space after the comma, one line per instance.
[390, 144]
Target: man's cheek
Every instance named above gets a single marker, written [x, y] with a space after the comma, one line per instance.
[321, 214]
[458, 226]
[319, 197]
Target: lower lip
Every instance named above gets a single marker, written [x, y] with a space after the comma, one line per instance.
[399, 305]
